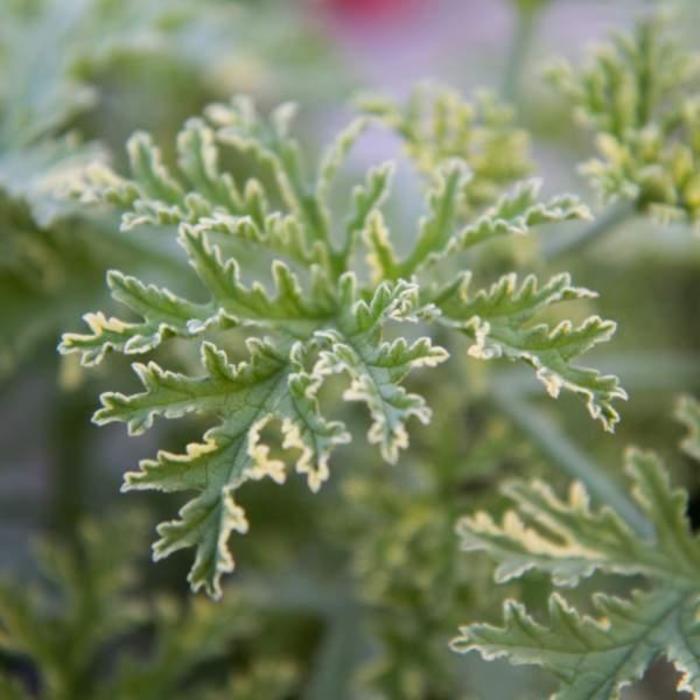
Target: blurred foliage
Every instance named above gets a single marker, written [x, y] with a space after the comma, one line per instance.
[54, 56]
[402, 530]
[88, 603]
[437, 124]
[353, 592]
[640, 96]
[595, 656]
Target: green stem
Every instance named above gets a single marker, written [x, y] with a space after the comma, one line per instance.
[568, 456]
[523, 34]
[604, 224]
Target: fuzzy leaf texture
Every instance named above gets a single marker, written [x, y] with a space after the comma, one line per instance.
[640, 95]
[596, 656]
[284, 272]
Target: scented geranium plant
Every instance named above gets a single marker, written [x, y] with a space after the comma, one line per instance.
[380, 369]
[596, 654]
[335, 288]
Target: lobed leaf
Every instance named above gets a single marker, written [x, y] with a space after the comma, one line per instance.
[320, 317]
[516, 213]
[499, 322]
[270, 386]
[595, 657]
[639, 95]
[375, 368]
[164, 314]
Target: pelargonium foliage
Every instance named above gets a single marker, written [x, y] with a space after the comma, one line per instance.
[304, 294]
[640, 95]
[595, 656]
[53, 54]
[84, 604]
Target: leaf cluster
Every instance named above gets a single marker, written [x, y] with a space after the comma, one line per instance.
[595, 656]
[311, 315]
[89, 602]
[639, 95]
[54, 57]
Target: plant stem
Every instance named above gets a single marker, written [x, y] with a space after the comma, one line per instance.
[611, 219]
[568, 456]
[525, 22]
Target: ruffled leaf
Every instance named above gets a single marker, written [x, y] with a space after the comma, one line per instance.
[499, 322]
[376, 368]
[639, 95]
[321, 317]
[270, 387]
[595, 657]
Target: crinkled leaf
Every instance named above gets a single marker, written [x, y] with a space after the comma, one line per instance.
[516, 213]
[499, 322]
[164, 314]
[639, 95]
[320, 317]
[270, 386]
[376, 368]
[596, 657]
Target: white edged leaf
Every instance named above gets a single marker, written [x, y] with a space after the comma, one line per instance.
[595, 657]
[498, 320]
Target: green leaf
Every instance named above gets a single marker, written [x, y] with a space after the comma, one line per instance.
[365, 214]
[269, 140]
[319, 316]
[639, 95]
[435, 230]
[164, 314]
[516, 213]
[381, 256]
[289, 305]
[335, 155]
[498, 320]
[270, 386]
[375, 368]
[595, 657]
[441, 234]
[157, 195]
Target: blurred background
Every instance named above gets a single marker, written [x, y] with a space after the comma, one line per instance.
[354, 592]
